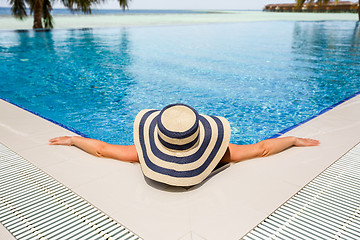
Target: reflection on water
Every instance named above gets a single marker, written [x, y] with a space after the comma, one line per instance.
[72, 77]
[262, 76]
[323, 39]
[329, 54]
[356, 36]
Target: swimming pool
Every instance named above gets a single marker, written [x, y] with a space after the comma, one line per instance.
[263, 76]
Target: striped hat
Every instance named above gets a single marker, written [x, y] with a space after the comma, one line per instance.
[178, 146]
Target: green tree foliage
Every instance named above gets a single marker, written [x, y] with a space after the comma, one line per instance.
[41, 9]
[300, 3]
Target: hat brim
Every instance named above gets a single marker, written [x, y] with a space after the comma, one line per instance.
[180, 168]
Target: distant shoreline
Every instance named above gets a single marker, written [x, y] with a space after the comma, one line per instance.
[8, 22]
[4, 11]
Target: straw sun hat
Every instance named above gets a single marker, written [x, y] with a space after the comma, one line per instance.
[178, 146]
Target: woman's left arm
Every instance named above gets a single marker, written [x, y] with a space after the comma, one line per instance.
[237, 153]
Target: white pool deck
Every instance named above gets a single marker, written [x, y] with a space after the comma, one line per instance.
[226, 206]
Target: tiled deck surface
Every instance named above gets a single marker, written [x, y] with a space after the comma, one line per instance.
[33, 205]
[227, 206]
[326, 208]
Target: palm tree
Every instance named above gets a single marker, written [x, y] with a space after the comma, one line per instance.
[300, 3]
[41, 9]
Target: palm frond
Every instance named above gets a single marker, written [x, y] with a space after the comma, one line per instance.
[80, 5]
[322, 2]
[44, 8]
[46, 14]
[32, 4]
[300, 3]
[18, 8]
[124, 4]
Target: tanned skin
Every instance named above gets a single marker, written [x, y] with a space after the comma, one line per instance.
[234, 152]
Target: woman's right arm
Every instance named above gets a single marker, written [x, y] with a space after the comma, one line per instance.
[98, 148]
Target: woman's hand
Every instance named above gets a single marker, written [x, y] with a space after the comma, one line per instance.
[66, 140]
[304, 142]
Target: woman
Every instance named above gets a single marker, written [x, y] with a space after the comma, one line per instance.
[180, 147]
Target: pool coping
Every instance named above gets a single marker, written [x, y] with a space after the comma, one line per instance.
[29, 143]
[312, 117]
[45, 118]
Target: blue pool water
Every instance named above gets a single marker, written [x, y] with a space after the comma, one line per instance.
[262, 76]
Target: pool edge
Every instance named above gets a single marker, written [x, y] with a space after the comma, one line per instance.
[282, 132]
[47, 119]
[276, 135]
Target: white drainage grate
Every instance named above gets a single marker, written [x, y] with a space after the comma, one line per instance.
[33, 205]
[326, 208]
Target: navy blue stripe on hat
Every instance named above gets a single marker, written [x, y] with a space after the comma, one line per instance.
[178, 147]
[178, 135]
[180, 160]
[174, 173]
